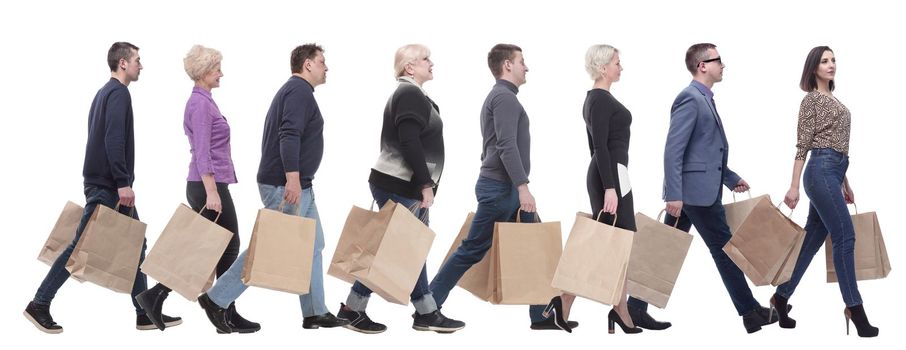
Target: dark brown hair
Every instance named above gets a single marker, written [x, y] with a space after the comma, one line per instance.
[808, 83]
[696, 54]
[120, 50]
[302, 53]
[498, 54]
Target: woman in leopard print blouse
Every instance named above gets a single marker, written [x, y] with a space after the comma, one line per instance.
[824, 124]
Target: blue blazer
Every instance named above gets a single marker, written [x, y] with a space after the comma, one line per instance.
[695, 157]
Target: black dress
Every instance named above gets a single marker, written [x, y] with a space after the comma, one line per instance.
[607, 124]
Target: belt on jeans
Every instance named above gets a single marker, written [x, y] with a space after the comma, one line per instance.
[828, 152]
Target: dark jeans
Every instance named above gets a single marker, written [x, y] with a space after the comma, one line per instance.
[498, 201]
[58, 274]
[421, 290]
[711, 224]
[197, 197]
[827, 214]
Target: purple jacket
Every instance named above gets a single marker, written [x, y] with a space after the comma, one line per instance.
[209, 139]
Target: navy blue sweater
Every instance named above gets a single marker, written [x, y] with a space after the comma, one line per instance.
[110, 151]
[293, 135]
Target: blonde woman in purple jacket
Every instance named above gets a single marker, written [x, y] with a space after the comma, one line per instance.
[210, 173]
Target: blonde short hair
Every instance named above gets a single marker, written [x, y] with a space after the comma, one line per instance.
[200, 61]
[596, 57]
[407, 55]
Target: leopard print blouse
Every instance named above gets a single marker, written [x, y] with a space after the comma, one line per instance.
[824, 122]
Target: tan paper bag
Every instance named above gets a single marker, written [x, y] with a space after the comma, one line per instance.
[871, 257]
[280, 252]
[595, 261]
[186, 253]
[523, 262]
[108, 251]
[763, 239]
[383, 250]
[62, 234]
[477, 279]
[658, 253]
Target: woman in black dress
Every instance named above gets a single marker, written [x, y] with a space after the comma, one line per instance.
[607, 126]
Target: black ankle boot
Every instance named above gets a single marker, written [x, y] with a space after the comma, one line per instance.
[780, 306]
[152, 301]
[39, 315]
[642, 319]
[238, 323]
[215, 313]
[857, 315]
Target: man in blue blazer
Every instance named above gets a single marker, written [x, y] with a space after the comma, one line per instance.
[695, 166]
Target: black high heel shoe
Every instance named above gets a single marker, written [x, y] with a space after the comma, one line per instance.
[614, 317]
[857, 315]
[779, 305]
[554, 310]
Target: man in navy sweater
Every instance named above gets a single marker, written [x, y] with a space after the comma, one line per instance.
[291, 149]
[109, 173]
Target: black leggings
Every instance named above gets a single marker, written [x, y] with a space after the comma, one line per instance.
[197, 196]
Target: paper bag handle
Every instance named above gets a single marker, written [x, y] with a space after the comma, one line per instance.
[791, 209]
[598, 218]
[659, 215]
[519, 216]
[734, 195]
[856, 207]
[216, 218]
[131, 209]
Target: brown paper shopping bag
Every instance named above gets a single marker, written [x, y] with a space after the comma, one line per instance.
[476, 280]
[763, 239]
[595, 260]
[524, 260]
[658, 253]
[386, 252]
[870, 251]
[62, 234]
[186, 253]
[108, 251]
[280, 252]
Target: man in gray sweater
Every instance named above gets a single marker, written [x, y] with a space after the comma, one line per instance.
[502, 186]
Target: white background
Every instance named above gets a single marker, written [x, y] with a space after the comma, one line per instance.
[53, 62]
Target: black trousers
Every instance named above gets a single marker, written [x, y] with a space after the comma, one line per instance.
[197, 197]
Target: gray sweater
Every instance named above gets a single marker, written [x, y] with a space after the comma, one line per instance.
[505, 134]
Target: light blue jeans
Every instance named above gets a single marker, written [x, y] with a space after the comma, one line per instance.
[229, 286]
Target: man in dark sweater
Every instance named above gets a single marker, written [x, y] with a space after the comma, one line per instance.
[109, 173]
[502, 186]
[291, 151]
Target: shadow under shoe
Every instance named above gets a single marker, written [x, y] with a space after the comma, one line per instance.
[327, 320]
[39, 315]
[760, 316]
[863, 327]
[780, 305]
[614, 317]
[215, 313]
[143, 323]
[152, 301]
[642, 319]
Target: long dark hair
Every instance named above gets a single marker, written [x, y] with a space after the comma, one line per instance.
[809, 81]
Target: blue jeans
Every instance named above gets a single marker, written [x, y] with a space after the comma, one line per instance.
[421, 295]
[827, 214]
[229, 286]
[711, 224]
[58, 274]
[498, 201]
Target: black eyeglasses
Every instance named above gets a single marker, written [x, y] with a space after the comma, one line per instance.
[713, 59]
